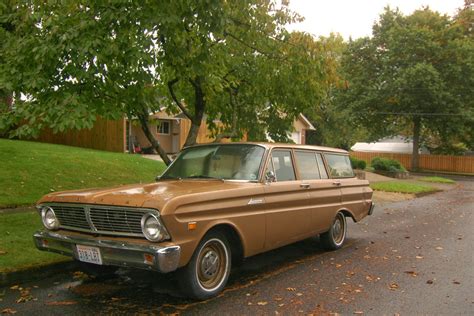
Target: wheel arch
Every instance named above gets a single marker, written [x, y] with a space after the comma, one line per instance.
[234, 238]
[347, 213]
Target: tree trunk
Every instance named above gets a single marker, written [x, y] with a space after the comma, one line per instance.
[143, 118]
[199, 107]
[416, 143]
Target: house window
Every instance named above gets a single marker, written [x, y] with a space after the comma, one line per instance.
[163, 127]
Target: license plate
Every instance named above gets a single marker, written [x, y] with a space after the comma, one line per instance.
[89, 254]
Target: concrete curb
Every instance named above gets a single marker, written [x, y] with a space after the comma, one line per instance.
[37, 273]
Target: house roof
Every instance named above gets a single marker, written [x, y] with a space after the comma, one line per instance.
[305, 120]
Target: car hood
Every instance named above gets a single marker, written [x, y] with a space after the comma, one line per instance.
[152, 195]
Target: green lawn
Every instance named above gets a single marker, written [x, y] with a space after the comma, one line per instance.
[402, 187]
[17, 250]
[437, 180]
[28, 170]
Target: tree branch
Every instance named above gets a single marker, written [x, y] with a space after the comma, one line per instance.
[171, 83]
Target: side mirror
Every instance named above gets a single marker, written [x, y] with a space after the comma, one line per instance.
[270, 177]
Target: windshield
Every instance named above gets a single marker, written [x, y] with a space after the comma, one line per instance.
[227, 162]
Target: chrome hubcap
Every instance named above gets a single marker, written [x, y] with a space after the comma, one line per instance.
[210, 264]
[338, 229]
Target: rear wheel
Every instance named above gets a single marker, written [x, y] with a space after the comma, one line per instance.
[207, 272]
[334, 238]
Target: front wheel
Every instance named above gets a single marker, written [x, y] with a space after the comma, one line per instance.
[207, 272]
[334, 238]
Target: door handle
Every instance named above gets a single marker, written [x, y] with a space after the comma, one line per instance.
[337, 183]
[305, 185]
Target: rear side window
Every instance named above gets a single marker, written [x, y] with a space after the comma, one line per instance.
[283, 165]
[339, 166]
[322, 170]
[307, 165]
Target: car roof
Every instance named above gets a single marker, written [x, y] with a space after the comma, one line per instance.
[279, 145]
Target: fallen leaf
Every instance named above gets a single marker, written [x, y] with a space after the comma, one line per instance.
[439, 248]
[263, 303]
[412, 273]
[393, 286]
[3, 252]
[15, 287]
[299, 294]
[278, 299]
[8, 311]
[291, 289]
[456, 282]
[429, 282]
[60, 303]
[419, 257]
[338, 265]
[358, 312]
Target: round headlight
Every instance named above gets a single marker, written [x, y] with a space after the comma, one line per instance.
[50, 221]
[151, 227]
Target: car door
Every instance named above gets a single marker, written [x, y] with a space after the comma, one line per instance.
[353, 190]
[286, 200]
[324, 194]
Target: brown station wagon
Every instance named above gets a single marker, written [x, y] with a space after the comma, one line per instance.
[214, 205]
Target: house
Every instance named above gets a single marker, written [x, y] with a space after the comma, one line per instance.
[126, 135]
[171, 131]
[394, 145]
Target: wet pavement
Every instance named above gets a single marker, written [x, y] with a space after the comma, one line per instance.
[411, 257]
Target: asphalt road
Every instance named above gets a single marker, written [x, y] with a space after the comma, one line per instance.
[409, 258]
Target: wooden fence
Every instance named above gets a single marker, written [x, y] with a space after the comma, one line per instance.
[106, 135]
[457, 164]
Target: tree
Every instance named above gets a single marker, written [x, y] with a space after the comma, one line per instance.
[415, 73]
[230, 60]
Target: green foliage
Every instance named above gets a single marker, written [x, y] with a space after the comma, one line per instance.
[437, 180]
[230, 60]
[30, 170]
[414, 76]
[385, 164]
[358, 163]
[16, 230]
[402, 187]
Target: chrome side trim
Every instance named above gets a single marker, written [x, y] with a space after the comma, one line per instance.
[255, 201]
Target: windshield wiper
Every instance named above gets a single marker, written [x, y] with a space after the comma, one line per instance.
[201, 176]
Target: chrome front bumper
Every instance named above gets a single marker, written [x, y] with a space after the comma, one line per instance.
[165, 259]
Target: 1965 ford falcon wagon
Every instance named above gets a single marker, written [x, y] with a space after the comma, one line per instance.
[215, 204]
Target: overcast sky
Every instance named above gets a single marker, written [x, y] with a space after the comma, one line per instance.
[356, 17]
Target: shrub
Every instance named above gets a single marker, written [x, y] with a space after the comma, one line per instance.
[385, 164]
[357, 163]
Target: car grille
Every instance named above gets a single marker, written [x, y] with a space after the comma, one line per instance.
[107, 220]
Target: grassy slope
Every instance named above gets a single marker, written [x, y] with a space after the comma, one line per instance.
[28, 170]
[17, 250]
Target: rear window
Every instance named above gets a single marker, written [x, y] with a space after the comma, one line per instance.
[307, 165]
[339, 166]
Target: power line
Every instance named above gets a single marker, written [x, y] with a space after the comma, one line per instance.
[414, 113]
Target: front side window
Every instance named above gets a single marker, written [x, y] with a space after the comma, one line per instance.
[228, 162]
[283, 165]
[339, 166]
